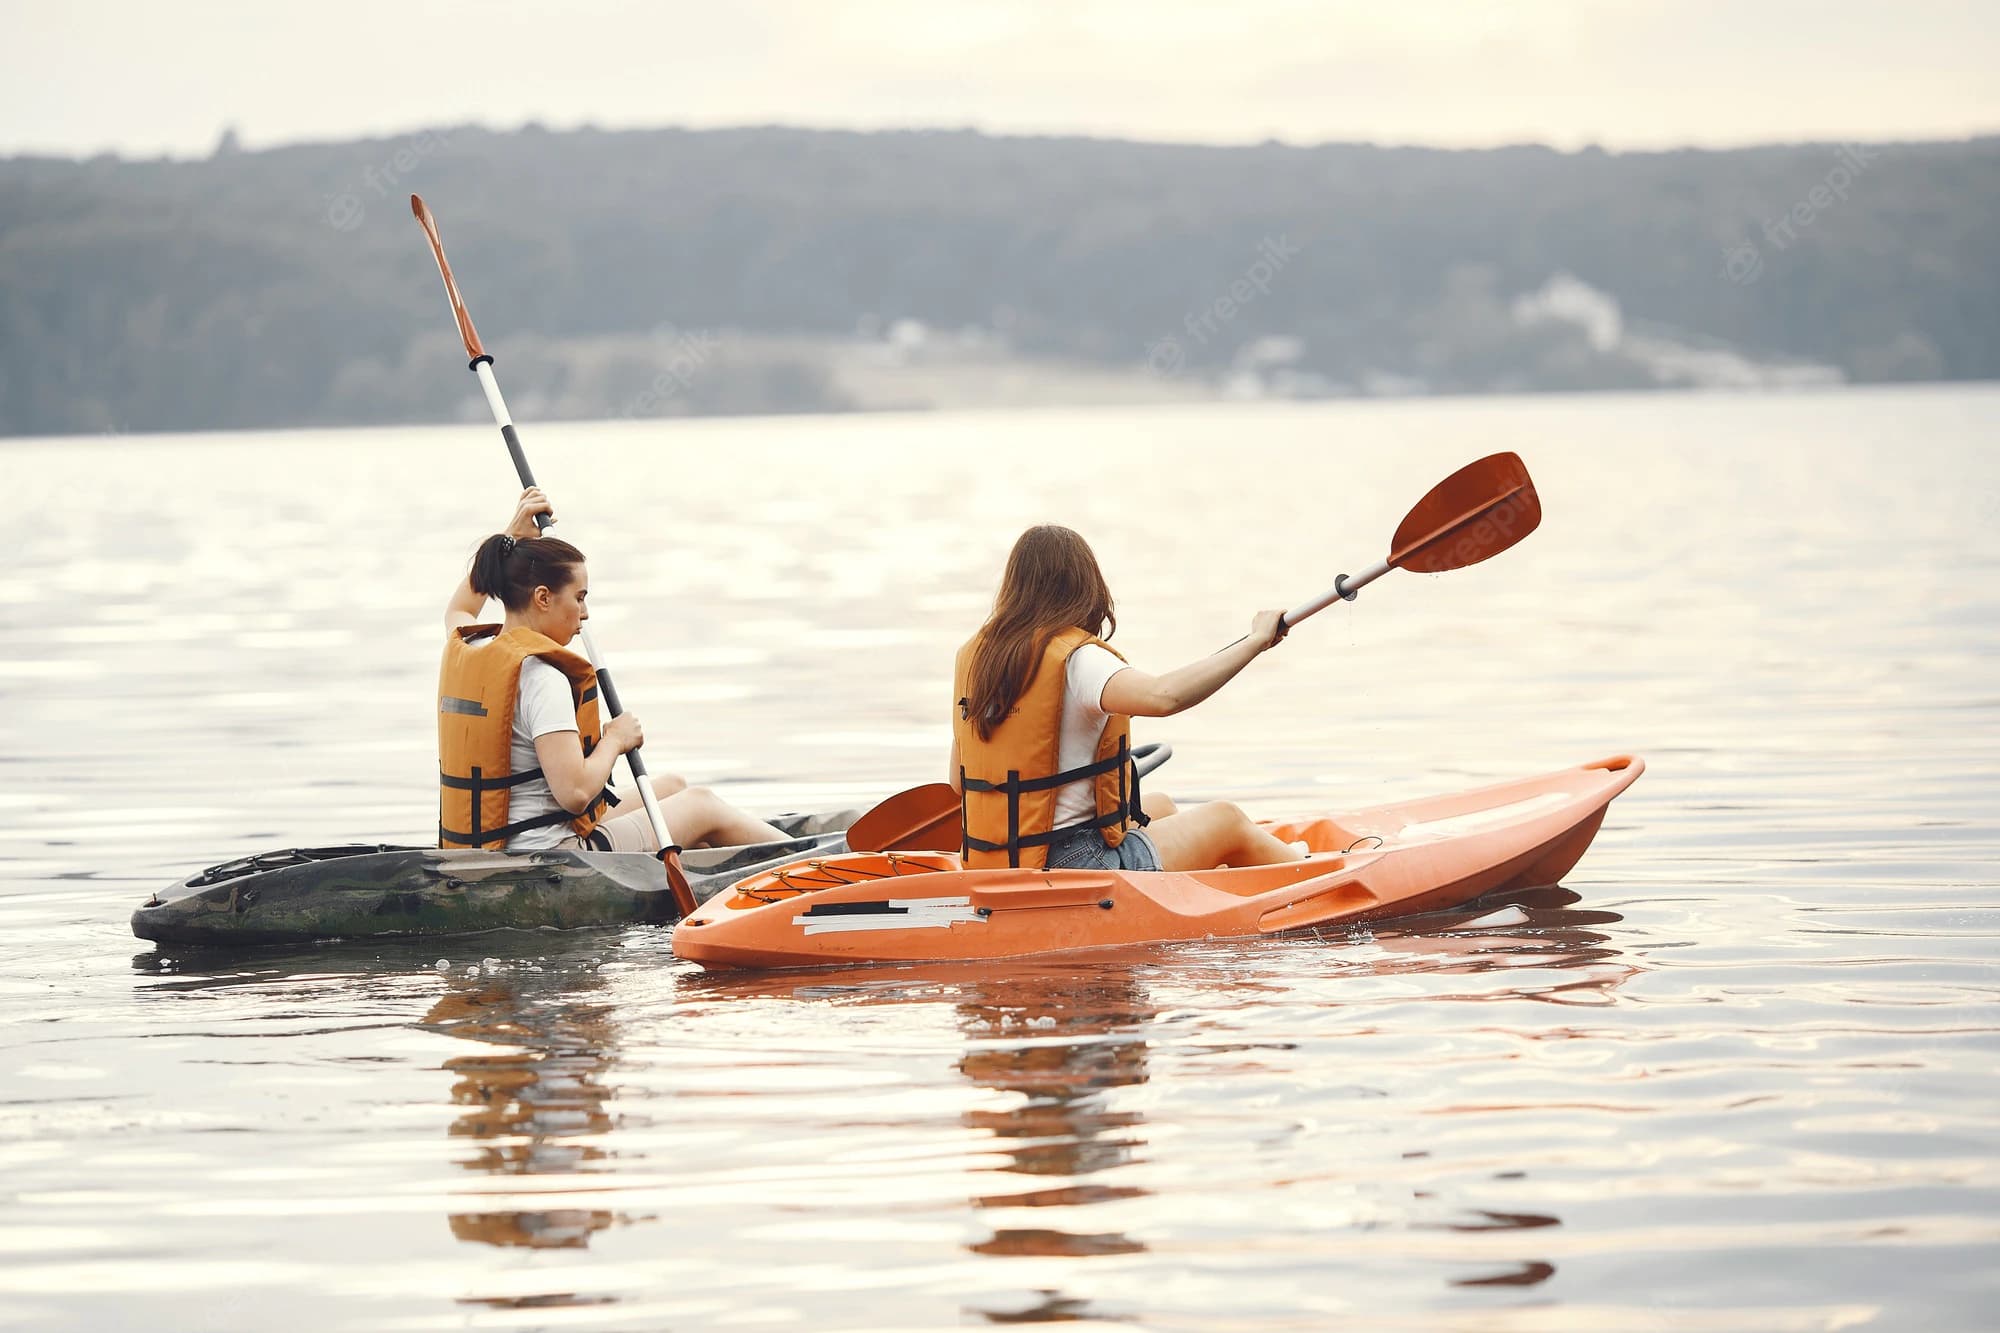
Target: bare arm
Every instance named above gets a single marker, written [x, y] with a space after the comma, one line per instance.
[575, 778]
[1134, 693]
[465, 605]
[951, 774]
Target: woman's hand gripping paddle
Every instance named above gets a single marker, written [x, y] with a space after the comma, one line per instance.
[481, 365]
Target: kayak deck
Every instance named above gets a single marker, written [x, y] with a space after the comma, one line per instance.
[1389, 860]
[364, 891]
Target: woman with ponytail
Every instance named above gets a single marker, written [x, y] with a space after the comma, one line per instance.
[1040, 750]
[523, 762]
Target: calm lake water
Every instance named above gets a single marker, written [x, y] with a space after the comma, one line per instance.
[1741, 1071]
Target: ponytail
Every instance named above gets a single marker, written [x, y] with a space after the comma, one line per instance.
[512, 569]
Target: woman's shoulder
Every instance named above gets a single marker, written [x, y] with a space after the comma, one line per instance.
[545, 701]
[545, 675]
[1089, 667]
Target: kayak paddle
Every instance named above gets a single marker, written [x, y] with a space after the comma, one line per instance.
[921, 819]
[481, 364]
[925, 819]
[1472, 515]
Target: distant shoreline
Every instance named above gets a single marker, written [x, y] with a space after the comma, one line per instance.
[229, 144]
[469, 421]
[677, 273]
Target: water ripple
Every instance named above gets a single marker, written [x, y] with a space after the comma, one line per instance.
[1738, 1073]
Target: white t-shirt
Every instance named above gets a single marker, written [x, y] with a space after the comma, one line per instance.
[542, 705]
[1090, 668]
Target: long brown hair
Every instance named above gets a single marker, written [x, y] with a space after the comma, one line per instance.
[1052, 584]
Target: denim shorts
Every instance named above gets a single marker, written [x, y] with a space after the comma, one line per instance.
[1085, 850]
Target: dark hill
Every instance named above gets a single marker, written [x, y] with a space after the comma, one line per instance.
[291, 286]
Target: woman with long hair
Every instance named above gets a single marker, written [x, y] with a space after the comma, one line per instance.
[523, 762]
[1041, 738]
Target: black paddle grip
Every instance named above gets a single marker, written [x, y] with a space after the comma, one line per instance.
[610, 694]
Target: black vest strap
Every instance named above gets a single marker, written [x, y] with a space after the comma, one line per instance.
[1127, 811]
[478, 784]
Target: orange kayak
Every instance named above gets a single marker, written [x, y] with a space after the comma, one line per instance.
[1391, 860]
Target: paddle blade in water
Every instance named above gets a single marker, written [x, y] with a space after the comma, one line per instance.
[1472, 515]
[922, 819]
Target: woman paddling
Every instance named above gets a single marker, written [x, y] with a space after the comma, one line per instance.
[1040, 736]
[523, 763]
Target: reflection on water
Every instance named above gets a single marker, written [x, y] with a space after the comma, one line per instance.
[1739, 1068]
[1477, 941]
[537, 1105]
[1059, 1053]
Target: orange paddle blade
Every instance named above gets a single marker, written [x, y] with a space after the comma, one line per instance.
[922, 819]
[1472, 515]
[677, 880]
[466, 332]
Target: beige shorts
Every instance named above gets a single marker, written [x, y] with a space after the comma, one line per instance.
[621, 833]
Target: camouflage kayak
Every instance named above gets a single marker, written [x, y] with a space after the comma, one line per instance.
[364, 891]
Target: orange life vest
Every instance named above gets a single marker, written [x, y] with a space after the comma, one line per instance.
[477, 690]
[1008, 784]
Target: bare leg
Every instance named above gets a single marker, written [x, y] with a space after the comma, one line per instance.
[700, 818]
[696, 817]
[1157, 805]
[1218, 833]
[664, 785]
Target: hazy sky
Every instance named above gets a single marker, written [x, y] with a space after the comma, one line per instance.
[79, 76]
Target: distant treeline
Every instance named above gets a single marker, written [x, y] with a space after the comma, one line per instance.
[291, 287]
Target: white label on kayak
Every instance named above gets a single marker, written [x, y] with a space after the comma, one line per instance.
[1452, 826]
[889, 914]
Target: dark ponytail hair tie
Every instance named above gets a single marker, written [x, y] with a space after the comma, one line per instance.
[506, 544]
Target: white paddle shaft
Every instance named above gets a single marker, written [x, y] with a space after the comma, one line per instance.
[483, 368]
[1343, 589]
